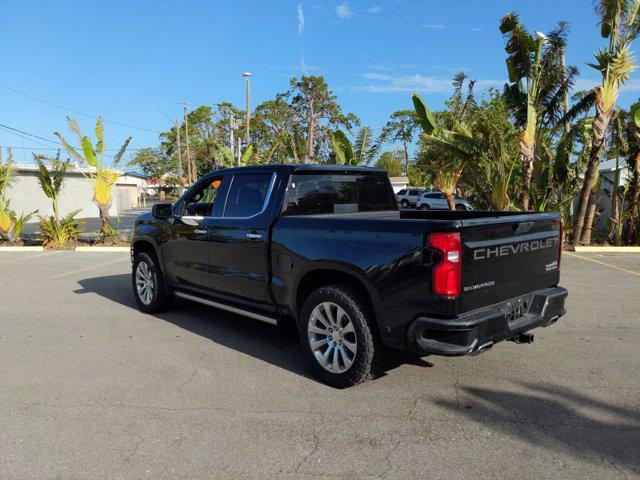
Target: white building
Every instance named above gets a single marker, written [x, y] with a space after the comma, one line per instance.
[607, 171]
[76, 193]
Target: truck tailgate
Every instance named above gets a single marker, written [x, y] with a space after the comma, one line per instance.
[504, 257]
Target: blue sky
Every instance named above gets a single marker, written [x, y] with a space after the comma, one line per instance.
[134, 62]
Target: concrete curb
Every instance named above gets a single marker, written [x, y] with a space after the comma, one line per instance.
[21, 249]
[103, 249]
[579, 249]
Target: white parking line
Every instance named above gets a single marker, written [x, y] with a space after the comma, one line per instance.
[27, 258]
[78, 270]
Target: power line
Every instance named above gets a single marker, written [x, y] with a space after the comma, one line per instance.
[24, 94]
[54, 148]
[12, 130]
[29, 134]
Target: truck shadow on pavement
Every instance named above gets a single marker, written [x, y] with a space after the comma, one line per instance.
[558, 419]
[277, 346]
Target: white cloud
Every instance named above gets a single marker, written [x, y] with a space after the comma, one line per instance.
[343, 11]
[383, 83]
[383, 68]
[476, 29]
[300, 19]
[434, 26]
[374, 9]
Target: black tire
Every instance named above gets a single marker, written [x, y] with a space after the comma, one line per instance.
[370, 354]
[461, 207]
[424, 206]
[161, 298]
[405, 204]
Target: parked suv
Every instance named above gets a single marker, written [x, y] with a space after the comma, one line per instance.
[407, 197]
[437, 201]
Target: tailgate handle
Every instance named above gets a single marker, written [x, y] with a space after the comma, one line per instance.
[255, 236]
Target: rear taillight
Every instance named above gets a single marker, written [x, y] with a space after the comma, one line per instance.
[560, 247]
[446, 274]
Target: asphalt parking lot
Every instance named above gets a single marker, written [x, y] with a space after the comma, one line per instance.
[91, 388]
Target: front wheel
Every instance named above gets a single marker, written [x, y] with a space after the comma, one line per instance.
[148, 284]
[405, 204]
[461, 207]
[339, 338]
[424, 206]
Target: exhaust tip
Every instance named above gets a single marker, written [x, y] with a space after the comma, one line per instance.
[522, 338]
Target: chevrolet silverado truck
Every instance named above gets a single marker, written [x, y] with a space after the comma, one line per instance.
[325, 247]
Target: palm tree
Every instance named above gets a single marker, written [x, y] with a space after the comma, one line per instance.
[620, 23]
[7, 177]
[363, 151]
[539, 83]
[400, 129]
[99, 175]
[632, 136]
[451, 145]
[51, 182]
[56, 230]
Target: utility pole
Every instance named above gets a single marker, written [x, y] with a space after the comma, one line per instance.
[232, 126]
[239, 150]
[247, 77]
[179, 154]
[190, 173]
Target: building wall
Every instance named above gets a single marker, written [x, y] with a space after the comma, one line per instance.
[27, 196]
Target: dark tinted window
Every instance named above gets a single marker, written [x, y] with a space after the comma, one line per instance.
[414, 192]
[316, 194]
[247, 194]
[402, 192]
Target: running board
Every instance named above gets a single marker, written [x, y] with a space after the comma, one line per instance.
[228, 308]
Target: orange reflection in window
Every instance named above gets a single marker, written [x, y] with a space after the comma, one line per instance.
[216, 183]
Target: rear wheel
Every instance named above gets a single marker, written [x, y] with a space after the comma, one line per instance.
[405, 203]
[338, 337]
[148, 284]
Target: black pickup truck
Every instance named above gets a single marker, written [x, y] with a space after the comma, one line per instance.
[325, 246]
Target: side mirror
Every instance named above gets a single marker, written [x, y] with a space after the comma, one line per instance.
[162, 211]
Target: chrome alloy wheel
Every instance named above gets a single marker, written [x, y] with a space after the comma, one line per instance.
[144, 283]
[332, 337]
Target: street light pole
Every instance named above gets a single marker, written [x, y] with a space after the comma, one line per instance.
[179, 155]
[247, 76]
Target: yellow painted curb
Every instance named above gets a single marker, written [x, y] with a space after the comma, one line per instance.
[103, 249]
[21, 249]
[579, 249]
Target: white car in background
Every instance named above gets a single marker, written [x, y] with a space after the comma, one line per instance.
[407, 197]
[437, 201]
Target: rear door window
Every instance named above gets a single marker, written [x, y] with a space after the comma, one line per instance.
[247, 195]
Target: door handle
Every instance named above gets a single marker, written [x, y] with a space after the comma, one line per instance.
[256, 236]
[201, 231]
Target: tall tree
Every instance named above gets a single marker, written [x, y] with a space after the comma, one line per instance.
[400, 129]
[314, 105]
[620, 23]
[538, 84]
